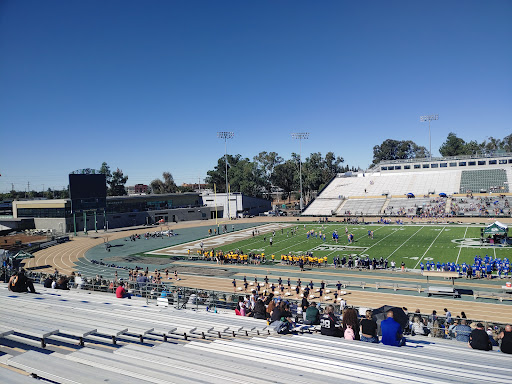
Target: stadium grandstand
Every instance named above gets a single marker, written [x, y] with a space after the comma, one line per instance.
[415, 187]
[81, 336]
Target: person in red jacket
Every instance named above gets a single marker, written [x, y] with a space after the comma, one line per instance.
[121, 292]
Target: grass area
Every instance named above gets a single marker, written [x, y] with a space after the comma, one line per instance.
[411, 244]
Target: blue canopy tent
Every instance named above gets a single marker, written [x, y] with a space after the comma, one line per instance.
[410, 195]
[442, 194]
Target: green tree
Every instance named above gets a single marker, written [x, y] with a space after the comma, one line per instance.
[507, 143]
[266, 163]
[285, 177]
[117, 184]
[243, 176]
[398, 150]
[105, 170]
[166, 186]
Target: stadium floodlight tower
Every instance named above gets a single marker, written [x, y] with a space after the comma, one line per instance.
[429, 118]
[300, 136]
[226, 136]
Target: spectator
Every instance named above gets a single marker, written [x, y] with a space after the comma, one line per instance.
[329, 324]
[350, 320]
[62, 283]
[312, 315]
[391, 331]
[48, 282]
[479, 339]
[241, 306]
[417, 326]
[369, 328]
[448, 315]
[259, 311]
[506, 339]
[462, 331]
[21, 283]
[121, 292]
[281, 318]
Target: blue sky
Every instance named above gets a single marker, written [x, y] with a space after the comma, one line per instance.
[145, 85]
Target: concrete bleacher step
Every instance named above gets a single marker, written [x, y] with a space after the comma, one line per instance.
[60, 370]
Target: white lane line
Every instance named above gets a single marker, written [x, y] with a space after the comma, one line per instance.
[460, 249]
[430, 246]
[405, 242]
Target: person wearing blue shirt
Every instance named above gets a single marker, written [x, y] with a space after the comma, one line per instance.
[428, 267]
[422, 266]
[391, 331]
[489, 271]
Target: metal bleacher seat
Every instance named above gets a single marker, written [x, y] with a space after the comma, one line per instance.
[484, 180]
[219, 357]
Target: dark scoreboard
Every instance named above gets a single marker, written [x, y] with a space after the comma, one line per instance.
[87, 192]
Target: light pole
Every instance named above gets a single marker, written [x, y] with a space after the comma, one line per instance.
[226, 136]
[300, 136]
[429, 118]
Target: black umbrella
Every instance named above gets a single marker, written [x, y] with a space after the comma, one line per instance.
[399, 315]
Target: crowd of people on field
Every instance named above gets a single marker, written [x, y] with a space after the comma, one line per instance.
[482, 267]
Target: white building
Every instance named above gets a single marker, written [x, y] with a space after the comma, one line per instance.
[239, 204]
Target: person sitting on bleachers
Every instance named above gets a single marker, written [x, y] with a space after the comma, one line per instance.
[392, 333]
[21, 283]
[462, 331]
[369, 328]
[329, 323]
[479, 339]
[62, 283]
[48, 281]
[259, 311]
[312, 315]
[351, 321]
[506, 339]
[121, 292]
[417, 326]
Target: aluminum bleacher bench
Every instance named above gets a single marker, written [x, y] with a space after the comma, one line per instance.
[5, 331]
[30, 329]
[10, 377]
[163, 371]
[61, 370]
[251, 369]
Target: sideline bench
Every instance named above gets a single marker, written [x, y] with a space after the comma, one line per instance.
[396, 286]
[492, 295]
[359, 284]
[442, 291]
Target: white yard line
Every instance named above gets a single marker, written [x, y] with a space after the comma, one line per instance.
[430, 246]
[460, 249]
[392, 233]
[405, 242]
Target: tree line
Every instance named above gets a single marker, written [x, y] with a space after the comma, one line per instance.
[268, 172]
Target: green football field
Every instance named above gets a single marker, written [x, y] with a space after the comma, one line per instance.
[410, 243]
